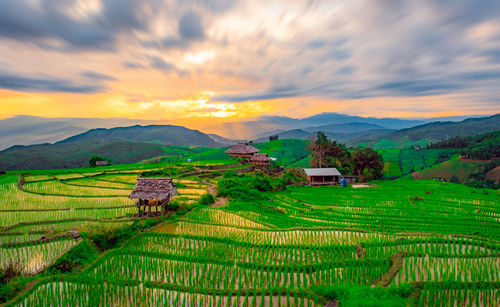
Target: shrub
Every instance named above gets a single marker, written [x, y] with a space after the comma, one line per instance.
[174, 205]
[239, 188]
[357, 296]
[262, 183]
[229, 174]
[108, 237]
[83, 253]
[207, 199]
[11, 281]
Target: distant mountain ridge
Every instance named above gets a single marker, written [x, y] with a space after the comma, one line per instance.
[159, 134]
[437, 131]
[121, 145]
[28, 130]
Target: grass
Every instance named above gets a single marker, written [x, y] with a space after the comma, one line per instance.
[453, 167]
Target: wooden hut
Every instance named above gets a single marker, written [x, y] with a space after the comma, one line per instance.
[102, 163]
[153, 193]
[260, 161]
[242, 151]
[322, 176]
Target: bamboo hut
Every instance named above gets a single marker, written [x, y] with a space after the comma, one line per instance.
[242, 151]
[260, 161]
[154, 193]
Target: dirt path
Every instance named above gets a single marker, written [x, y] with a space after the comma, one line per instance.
[220, 202]
[212, 190]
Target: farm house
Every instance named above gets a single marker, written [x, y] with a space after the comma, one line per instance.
[260, 161]
[242, 151]
[102, 163]
[153, 193]
[322, 176]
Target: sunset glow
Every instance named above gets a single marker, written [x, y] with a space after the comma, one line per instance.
[186, 62]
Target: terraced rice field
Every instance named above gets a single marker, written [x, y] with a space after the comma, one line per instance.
[33, 206]
[442, 239]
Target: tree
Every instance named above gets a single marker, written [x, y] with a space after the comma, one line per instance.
[368, 164]
[97, 158]
[326, 153]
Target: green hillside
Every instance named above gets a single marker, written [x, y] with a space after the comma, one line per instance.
[73, 155]
[453, 167]
[399, 162]
[286, 151]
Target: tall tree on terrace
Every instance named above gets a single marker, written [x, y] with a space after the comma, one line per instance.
[326, 153]
[368, 164]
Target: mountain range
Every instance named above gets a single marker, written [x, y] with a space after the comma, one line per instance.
[135, 143]
[28, 130]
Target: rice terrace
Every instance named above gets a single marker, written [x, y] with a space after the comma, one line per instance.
[76, 238]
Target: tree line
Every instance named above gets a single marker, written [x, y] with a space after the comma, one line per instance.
[484, 146]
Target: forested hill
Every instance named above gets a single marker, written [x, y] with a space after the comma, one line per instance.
[438, 131]
[121, 145]
[484, 146]
[159, 134]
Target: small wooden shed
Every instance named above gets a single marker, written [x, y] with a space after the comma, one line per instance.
[242, 151]
[102, 163]
[154, 193]
[260, 161]
[322, 176]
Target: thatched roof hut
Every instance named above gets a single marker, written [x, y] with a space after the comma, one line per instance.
[260, 157]
[154, 188]
[243, 151]
[260, 160]
[242, 148]
[153, 193]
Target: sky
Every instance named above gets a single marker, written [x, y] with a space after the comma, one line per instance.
[193, 62]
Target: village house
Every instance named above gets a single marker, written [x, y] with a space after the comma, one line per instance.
[260, 161]
[102, 163]
[242, 151]
[322, 176]
[154, 193]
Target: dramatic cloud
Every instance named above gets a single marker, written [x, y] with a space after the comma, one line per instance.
[273, 55]
[98, 76]
[45, 84]
[190, 27]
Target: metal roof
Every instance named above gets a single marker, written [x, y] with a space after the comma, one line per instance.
[322, 171]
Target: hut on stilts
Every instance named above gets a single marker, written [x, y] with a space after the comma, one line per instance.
[154, 193]
[260, 161]
[242, 151]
